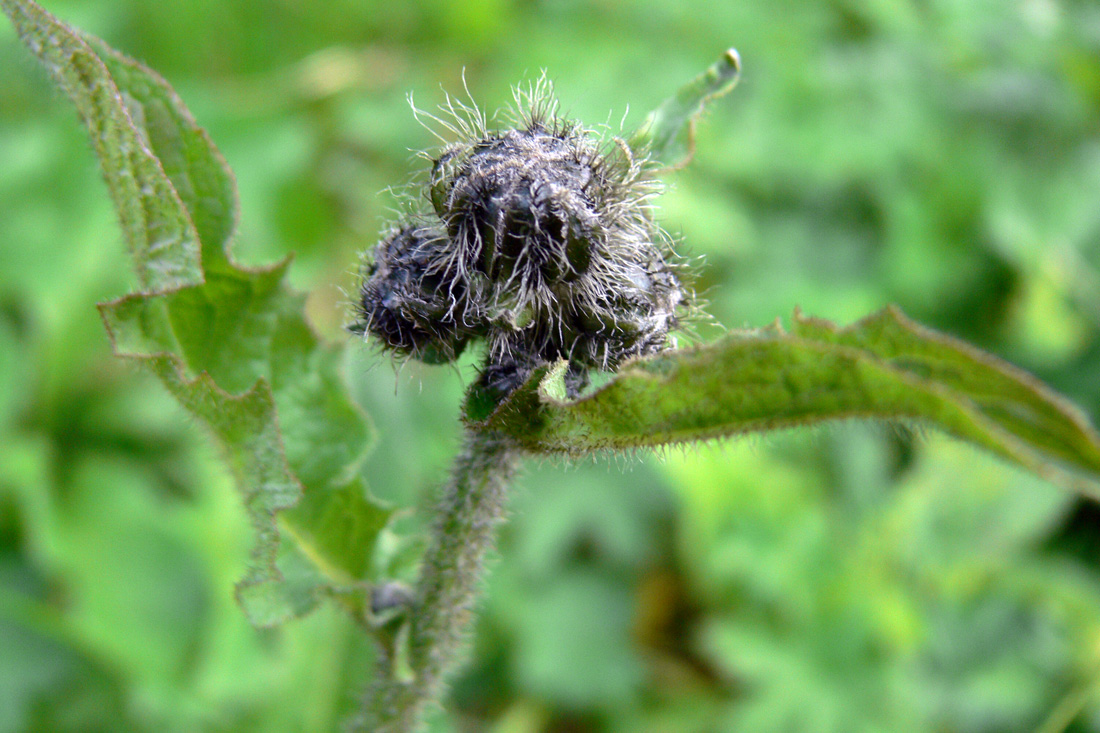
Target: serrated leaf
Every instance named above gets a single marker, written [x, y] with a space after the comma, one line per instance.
[230, 343]
[883, 367]
[668, 133]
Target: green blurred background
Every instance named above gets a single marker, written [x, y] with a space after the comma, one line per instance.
[941, 155]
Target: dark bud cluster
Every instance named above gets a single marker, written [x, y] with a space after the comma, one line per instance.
[539, 241]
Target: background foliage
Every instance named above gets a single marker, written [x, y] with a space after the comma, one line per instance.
[942, 156]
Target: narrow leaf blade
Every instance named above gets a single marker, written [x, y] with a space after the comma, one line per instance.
[884, 367]
[162, 238]
[1019, 403]
[198, 173]
[667, 134]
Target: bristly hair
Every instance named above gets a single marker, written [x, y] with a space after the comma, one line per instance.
[537, 237]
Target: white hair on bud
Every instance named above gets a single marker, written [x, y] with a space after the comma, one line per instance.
[540, 241]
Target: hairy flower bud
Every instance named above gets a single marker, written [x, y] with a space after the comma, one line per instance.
[540, 241]
[407, 303]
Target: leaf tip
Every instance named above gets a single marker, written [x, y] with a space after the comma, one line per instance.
[733, 59]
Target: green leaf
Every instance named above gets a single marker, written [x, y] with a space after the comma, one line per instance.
[163, 240]
[668, 133]
[232, 344]
[883, 367]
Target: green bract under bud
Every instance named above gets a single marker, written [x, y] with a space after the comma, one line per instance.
[540, 242]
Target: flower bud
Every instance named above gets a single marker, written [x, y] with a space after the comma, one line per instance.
[540, 241]
[407, 303]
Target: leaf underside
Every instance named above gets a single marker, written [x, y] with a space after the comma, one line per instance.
[230, 343]
[884, 367]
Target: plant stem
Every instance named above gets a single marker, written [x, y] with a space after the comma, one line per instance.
[442, 612]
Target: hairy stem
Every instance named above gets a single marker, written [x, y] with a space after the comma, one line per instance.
[442, 610]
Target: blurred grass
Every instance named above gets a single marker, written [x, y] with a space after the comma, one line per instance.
[943, 156]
